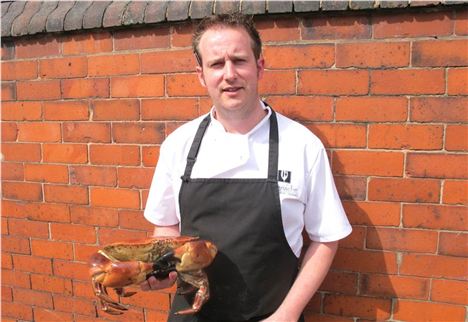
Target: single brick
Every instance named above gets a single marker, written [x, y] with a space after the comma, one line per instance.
[20, 25]
[200, 9]
[57, 17]
[393, 4]
[38, 21]
[457, 81]
[177, 10]
[114, 13]
[15, 9]
[134, 13]
[306, 6]
[279, 6]
[155, 11]
[226, 7]
[337, 27]
[74, 18]
[361, 5]
[334, 5]
[440, 53]
[94, 15]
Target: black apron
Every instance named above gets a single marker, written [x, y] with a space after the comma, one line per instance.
[255, 266]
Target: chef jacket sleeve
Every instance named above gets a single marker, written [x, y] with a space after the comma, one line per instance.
[161, 204]
[325, 219]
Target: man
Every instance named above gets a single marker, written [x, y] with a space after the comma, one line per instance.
[249, 180]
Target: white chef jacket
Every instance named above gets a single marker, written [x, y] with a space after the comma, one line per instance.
[307, 191]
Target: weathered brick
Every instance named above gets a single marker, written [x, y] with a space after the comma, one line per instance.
[137, 86]
[455, 192]
[38, 90]
[34, 47]
[65, 153]
[405, 240]
[428, 165]
[409, 81]
[115, 198]
[303, 108]
[57, 17]
[21, 111]
[340, 135]
[200, 9]
[333, 82]
[108, 65]
[177, 10]
[453, 244]
[413, 137]
[155, 11]
[86, 132]
[85, 87]
[69, 67]
[371, 109]
[134, 13]
[448, 291]
[168, 62]
[373, 54]
[114, 154]
[337, 27]
[113, 14]
[141, 133]
[14, 10]
[87, 43]
[20, 24]
[253, 7]
[434, 217]
[94, 14]
[74, 18]
[226, 7]
[409, 190]
[334, 5]
[279, 57]
[39, 20]
[368, 163]
[66, 111]
[19, 70]
[412, 24]
[457, 81]
[435, 53]
[278, 29]
[278, 82]
[119, 109]
[439, 109]
[156, 37]
[402, 286]
[169, 109]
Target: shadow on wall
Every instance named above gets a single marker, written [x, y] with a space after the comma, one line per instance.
[361, 281]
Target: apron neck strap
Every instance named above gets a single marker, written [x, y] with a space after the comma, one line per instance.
[272, 154]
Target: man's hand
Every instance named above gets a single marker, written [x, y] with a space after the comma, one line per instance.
[153, 284]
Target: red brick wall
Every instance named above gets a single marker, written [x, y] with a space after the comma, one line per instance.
[83, 116]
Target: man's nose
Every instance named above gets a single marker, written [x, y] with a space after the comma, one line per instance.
[229, 70]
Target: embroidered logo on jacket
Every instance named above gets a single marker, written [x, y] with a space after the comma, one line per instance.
[284, 176]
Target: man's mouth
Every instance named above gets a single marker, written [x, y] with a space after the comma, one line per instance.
[231, 89]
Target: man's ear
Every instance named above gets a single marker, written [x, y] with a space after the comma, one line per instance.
[260, 67]
[201, 78]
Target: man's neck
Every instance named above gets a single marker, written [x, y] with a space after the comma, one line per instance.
[241, 123]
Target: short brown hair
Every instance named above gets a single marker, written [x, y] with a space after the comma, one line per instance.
[236, 20]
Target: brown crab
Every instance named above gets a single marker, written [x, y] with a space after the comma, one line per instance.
[124, 264]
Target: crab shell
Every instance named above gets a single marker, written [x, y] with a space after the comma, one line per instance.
[124, 264]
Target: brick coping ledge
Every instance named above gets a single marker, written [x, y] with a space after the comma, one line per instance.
[21, 18]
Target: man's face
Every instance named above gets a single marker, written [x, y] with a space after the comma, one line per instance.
[229, 69]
